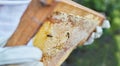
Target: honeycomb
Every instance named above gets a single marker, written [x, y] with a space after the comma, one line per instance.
[57, 31]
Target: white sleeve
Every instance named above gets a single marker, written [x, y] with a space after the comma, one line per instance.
[10, 15]
[21, 54]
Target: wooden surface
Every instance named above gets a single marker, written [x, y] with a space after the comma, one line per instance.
[71, 7]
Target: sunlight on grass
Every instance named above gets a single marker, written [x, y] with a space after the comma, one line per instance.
[118, 53]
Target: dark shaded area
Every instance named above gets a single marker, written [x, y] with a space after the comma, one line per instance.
[105, 51]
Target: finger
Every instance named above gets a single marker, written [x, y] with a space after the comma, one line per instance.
[12, 55]
[90, 40]
[106, 24]
[99, 32]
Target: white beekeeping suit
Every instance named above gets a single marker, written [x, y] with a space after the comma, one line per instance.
[10, 14]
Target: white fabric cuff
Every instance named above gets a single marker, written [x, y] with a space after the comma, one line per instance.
[22, 54]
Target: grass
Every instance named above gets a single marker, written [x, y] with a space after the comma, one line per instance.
[117, 38]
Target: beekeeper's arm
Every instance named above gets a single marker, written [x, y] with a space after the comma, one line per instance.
[10, 14]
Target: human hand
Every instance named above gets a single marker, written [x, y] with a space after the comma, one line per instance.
[98, 32]
[20, 56]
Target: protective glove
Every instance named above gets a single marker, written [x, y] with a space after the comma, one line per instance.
[98, 32]
[10, 14]
[20, 56]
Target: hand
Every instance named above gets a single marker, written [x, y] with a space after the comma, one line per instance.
[20, 56]
[98, 32]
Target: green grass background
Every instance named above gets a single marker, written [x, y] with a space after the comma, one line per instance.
[105, 51]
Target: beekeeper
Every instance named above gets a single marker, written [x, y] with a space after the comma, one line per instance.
[10, 14]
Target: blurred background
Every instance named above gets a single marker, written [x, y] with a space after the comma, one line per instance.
[105, 51]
